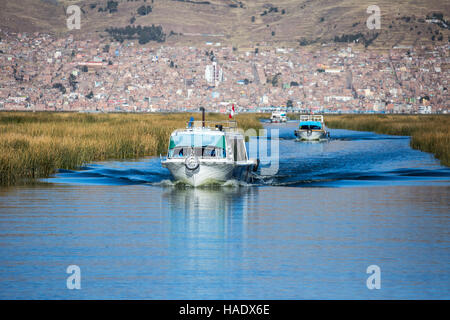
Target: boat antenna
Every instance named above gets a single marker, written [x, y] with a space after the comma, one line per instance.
[203, 116]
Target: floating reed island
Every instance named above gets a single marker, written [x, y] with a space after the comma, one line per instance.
[429, 133]
[36, 145]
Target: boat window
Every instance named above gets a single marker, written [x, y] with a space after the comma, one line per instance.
[212, 152]
[237, 147]
[310, 127]
[201, 152]
[203, 146]
[197, 140]
[241, 153]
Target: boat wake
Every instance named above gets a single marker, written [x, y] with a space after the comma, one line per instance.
[145, 171]
[210, 184]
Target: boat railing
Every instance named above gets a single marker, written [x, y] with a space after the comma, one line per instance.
[228, 125]
[310, 117]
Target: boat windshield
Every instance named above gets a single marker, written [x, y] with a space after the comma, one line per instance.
[203, 145]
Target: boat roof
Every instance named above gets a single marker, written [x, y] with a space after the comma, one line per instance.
[311, 117]
[202, 131]
[209, 128]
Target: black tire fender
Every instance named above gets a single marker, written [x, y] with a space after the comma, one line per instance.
[191, 163]
[256, 167]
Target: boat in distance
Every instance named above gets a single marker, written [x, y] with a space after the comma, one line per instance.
[208, 152]
[311, 128]
[278, 116]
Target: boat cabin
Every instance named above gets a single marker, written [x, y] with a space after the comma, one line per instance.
[205, 142]
[311, 122]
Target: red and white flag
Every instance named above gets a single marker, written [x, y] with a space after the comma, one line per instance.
[232, 112]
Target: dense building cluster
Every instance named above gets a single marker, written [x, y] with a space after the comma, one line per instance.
[40, 72]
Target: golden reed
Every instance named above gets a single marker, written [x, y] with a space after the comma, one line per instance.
[429, 133]
[35, 145]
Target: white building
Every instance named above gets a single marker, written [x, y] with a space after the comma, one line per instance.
[213, 74]
[339, 98]
[334, 70]
[425, 109]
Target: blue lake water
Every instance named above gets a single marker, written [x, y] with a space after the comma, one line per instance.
[308, 232]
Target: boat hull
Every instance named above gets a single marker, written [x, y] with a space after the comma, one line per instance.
[306, 135]
[210, 172]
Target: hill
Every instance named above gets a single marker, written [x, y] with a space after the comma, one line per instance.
[242, 23]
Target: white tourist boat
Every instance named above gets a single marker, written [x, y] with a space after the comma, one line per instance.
[208, 152]
[311, 127]
[278, 116]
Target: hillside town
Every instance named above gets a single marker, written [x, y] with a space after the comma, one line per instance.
[42, 73]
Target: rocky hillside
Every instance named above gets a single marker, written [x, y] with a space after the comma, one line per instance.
[238, 23]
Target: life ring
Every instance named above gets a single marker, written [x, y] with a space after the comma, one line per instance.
[192, 162]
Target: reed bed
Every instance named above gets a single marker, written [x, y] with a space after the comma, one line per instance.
[35, 145]
[429, 133]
